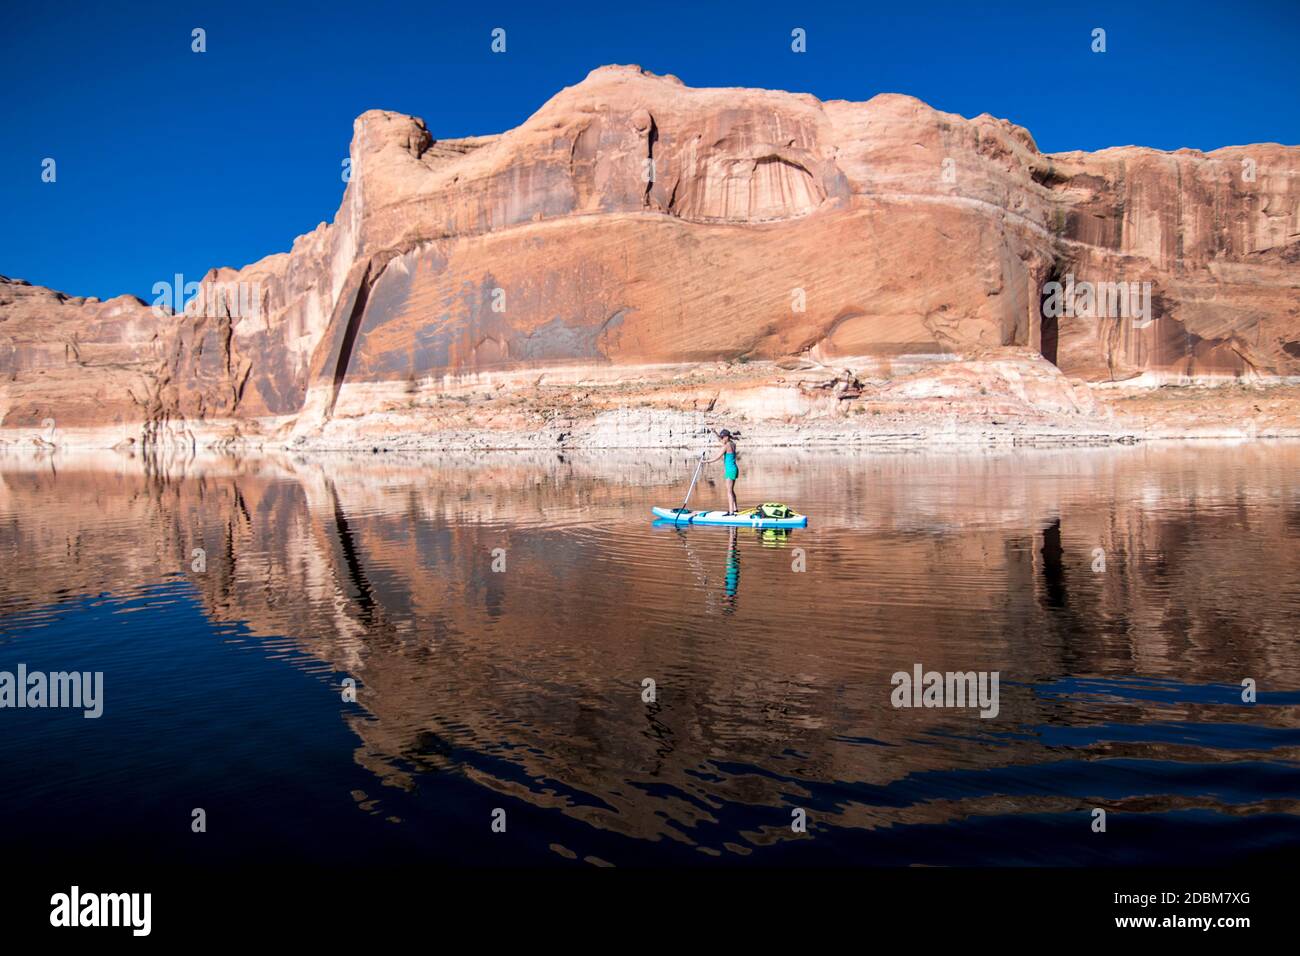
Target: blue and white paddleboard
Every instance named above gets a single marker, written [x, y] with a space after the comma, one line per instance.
[741, 519]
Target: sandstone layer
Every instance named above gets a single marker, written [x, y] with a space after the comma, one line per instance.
[634, 229]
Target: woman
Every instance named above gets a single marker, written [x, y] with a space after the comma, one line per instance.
[727, 452]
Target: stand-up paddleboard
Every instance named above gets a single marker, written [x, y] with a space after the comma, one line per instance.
[743, 519]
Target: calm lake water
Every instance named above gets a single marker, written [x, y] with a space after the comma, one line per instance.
[1122, 595]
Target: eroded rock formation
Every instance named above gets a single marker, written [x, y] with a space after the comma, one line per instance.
[634, 221]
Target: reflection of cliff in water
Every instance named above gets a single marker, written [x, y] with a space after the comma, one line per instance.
[529, 681]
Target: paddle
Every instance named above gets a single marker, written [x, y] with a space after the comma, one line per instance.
[691, 489]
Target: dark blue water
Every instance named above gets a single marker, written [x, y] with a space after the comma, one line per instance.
[520, 689]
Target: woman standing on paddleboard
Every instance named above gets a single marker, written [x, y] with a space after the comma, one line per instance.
[727, 453]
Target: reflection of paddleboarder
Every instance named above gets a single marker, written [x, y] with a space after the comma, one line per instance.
[732, 584]
[727, 453]
[708, 582]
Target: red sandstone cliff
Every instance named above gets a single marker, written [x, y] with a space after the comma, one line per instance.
[633, 222]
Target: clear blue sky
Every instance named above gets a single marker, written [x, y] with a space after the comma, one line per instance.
[171, 161]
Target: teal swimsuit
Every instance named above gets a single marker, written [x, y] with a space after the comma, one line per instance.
[729, 462]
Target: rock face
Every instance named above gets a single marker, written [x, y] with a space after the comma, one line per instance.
[76, 361]
[634, 221]
[1218, 237]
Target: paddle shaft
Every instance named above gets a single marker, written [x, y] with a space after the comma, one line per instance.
[691, 489]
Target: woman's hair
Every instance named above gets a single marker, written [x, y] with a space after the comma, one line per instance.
[726, 434]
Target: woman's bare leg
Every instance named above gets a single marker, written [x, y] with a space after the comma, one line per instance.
[731, 495]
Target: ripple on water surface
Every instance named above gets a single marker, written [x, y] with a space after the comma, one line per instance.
[504, 616]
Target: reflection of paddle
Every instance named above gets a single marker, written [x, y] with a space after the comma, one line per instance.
[691, 489]
[697, 567]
